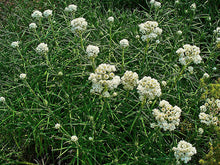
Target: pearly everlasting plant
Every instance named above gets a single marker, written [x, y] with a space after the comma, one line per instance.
[124, 43]
[71, 8]
[32, 26]
[79, 25]
[104, 80]
[22, 76]
[92, 51]
[129, 80]
[42, 48]
[167, 116]
[36, 14]
[110, 19]
[15, 44]
[148, 88]
[2, 99]
[189, 54]
[210, 112]
[149, 30]
[184, 151]
[47, 13]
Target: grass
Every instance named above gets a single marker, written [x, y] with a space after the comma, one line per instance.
[121, 132]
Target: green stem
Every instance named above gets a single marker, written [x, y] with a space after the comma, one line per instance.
[81, 41]
[35, 31]
[93, 64]
[123, 58]
[24, 62]
[145, 53]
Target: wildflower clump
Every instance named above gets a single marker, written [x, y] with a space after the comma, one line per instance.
[189, 54]
[149, 30]
[184, 151]
[15, 44]
[92, 51]
[124, 43]
[71, 8]
[36, 14]
[42, 48]
[217, 33]
[74, 138]
[79, 25]
[22, 76]
[148, 88]
[167, 117]
[2, 99]
[32, 26]
[210, 112]
[47, 13]
[104, 80]
[129, 80]
[155, 4]
[110, 19]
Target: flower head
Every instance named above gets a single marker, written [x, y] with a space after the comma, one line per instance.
[22, 76]
[2, 99]
[71, 8]
[32, 26]
[15, 44]
[42, 48]
[129, 80]
[193, 6]
[184, 151]
[111, 19]
[124, 43]
[37, 14]
[79, 25]
[57, 126]
[74, 138]
[148, 88]
[92, 51]
[47, 13]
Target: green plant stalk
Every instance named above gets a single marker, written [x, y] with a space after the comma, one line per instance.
[24, 62]
[145, 53]
[81, 41]
[180, 74]
[35, 31]
[123, 58]
[54, 36]
[93, 64]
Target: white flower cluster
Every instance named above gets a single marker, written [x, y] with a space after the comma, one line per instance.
[167, 117]
[189, 54]
[78, 25]
[22, 76]
[47, 13]
[155, 3]
[210, 112]
[104, 79]
[15, 44]
[57, 126]
[184, 151]
[42, 48]
[32, 26]
[124, 43]
[92, 51]
[129, 80]
[74, 138]
[37, 14]
[148, 88]
[110, 19]
[193, 6]
[149, 30]
[217, 32]
[71, 8]
[2, 99]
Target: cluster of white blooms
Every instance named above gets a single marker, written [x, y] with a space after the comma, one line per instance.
[78, 25]
[129, 80]
[167, 117]
[148, 88]
[210, 112]
[217, 31]
[124, 43]
[42, 48]
[193, 6]
[92, 51]
[15, 44]
[164, 83]
[149, 30]
[32, 26]
[37, 14]
[22, 76]
[205, 76]
[2, 99]
[71, 8]
[57, 126]
[179, 32]
[111, 19]
[218, 42]
[200, 131]
[189, 54]
[74, 138]
[155, 4]
[104, 79]
[184, 151]
[47, 13]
